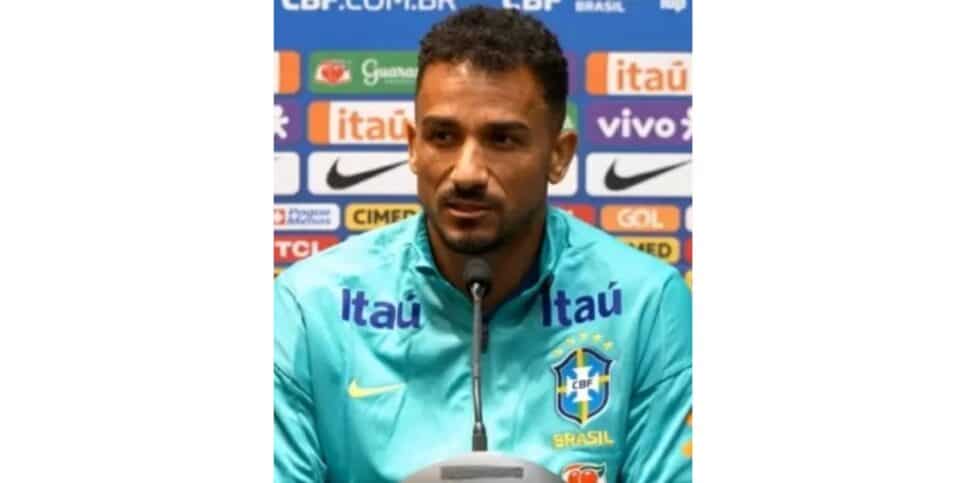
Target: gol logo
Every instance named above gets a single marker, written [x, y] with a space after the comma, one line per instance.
[359, 122]
[292, 248]
[663, 247]
[369, 216]
[643, 218]
[639, 73]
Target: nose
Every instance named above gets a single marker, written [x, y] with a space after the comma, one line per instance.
[470, 172]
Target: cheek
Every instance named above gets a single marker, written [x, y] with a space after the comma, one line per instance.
[429, 174]
[524, 180]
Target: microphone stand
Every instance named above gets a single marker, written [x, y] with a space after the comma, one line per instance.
[480, 465]
[479, 430]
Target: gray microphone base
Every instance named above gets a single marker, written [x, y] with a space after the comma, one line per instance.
[484, 467]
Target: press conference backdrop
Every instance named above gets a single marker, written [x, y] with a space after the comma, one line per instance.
[345, 78]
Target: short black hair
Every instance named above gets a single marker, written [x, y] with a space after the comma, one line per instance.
[499, 40]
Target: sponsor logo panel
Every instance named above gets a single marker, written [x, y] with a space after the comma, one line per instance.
[687, 218]
[665, 248]
[306, 216]
[286, 173]
[582, 211]
[365, 216]
[292, 248]
[287, 73]
[356, 72]
[360, 173]
[641, 218]
[660, 123]
[639, 73]
[288, 122]
[639, 174]
[687, 251]
[359, 122]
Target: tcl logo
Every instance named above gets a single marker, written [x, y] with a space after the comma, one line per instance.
[292, 248]
[530, 5]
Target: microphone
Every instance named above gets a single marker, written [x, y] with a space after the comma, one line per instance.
[480, 465]
[477, 276]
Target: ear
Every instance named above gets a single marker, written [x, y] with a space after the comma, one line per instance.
[411, 145]
[563, 152]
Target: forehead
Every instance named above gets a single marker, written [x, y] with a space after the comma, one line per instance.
[470, 94]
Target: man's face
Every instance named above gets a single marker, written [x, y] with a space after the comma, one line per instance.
[483, 150]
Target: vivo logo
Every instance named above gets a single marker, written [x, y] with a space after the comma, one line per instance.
[659, 123]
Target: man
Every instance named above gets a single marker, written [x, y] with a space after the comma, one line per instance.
[587, 369]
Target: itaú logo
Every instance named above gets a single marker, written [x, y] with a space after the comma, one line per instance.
[359, 122]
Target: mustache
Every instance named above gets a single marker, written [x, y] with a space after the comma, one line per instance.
[474, 196]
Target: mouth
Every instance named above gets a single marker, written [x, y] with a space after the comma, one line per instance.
[467, 209]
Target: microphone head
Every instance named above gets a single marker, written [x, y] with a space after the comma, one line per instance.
[478, 271]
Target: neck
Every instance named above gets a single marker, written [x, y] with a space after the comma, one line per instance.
[509, 263]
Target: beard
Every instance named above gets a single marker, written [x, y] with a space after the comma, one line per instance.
[482, 239]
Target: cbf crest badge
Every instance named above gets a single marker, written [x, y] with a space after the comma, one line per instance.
[583, 381]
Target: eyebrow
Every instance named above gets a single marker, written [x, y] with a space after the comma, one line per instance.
[439, 121]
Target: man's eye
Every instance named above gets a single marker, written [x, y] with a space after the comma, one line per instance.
[504, 140]
[441, 137]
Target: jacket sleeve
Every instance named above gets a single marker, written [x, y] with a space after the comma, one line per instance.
[298, 455]
[659, 432]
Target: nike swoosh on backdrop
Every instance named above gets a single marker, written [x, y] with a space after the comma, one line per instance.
[338, 181]
[615, 182]
[356, 392]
